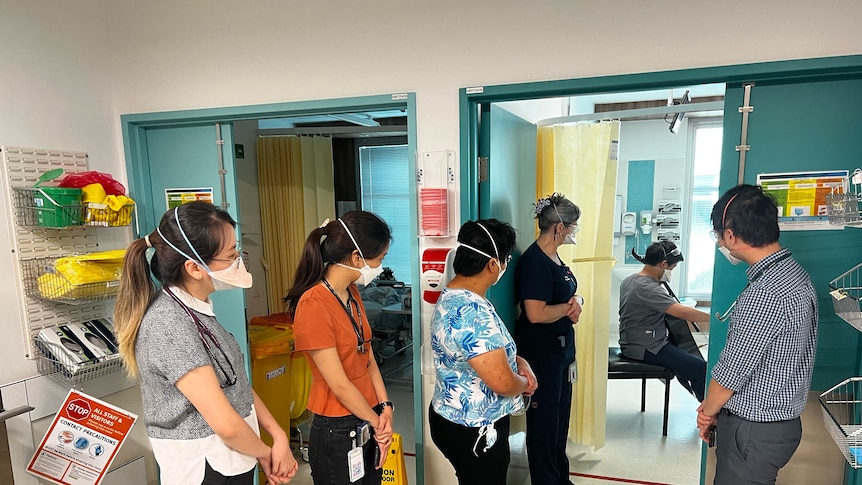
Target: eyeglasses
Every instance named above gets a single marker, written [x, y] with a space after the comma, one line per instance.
[205, 335]
[508, 259]
[574, 228]
[238, 255]
[715, 235]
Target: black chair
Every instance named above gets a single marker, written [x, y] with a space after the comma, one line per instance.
[620, 367]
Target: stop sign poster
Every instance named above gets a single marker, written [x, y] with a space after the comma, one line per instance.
[82, 441]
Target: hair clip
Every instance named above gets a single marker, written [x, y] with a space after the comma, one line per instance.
[541, 204]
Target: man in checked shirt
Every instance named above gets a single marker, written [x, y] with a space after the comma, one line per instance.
[760, 383]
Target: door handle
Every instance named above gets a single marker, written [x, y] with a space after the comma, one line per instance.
[4, 415]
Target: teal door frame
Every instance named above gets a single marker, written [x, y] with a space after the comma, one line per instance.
[470, 98]
[474, 101]
[134, 128]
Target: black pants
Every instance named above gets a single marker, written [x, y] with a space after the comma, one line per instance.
[212, 477]
[328, 445]
[548, 425]
[689, 369]
[457, 443]
[750, 453]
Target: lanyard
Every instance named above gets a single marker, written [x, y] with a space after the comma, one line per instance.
[358, 329]
[204, 334]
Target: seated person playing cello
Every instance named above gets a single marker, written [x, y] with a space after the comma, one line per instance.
[644, 304]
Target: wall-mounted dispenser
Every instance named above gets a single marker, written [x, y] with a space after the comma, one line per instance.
[646, 222]
[628, 224]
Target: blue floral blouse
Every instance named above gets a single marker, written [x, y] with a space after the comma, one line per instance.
[465, 325]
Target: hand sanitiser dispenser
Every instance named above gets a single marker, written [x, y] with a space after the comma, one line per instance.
[646, 222]
[629, 224]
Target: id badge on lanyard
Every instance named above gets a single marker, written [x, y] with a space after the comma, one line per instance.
[573, 371]
[355, 458]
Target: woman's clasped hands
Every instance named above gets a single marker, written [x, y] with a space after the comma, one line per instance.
[575, 308]
[383, 435]
[281, 465]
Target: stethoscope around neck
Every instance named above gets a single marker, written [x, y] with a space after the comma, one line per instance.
[722, 317]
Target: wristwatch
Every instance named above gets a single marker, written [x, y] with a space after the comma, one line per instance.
[379, 408]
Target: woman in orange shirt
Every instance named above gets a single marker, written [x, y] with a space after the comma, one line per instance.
[352, 427]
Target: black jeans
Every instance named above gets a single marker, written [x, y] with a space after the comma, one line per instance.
[212, 477]
[457, 443]
[328, 445]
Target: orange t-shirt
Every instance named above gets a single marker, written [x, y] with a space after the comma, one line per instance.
[320, 322]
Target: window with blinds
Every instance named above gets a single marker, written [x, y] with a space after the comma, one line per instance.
[700, 258]
[384, 190]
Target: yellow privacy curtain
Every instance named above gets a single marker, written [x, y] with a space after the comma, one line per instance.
[318, 188]
[296, 187]
[580, 162]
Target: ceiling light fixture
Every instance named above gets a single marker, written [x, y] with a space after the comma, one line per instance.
[356, 119]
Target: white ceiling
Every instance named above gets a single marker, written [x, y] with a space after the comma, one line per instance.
[531, 110]
[358, 119]
[540, 109]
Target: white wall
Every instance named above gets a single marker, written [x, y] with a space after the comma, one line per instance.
[645, 140]
[651, 140]
[61, 68]
[55, 92]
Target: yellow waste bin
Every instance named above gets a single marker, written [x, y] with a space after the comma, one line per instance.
[270, 348]
[298, 387]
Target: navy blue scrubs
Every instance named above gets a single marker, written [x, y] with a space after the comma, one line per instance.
[549, 348]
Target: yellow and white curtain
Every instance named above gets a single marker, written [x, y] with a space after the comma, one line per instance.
[296, 194]
[580, 161]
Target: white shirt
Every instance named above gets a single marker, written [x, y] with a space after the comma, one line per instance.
[182, 462]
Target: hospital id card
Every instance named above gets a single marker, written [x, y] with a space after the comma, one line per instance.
[573, 372]
[356, 464]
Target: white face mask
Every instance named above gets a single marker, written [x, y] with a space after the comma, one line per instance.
[367, 274]
[666, 276]
[500, 274]
[234, 276]
[570, 237]
[726, 253]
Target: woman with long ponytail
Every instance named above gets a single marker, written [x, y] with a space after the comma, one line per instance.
[200, 412]
[352, 422]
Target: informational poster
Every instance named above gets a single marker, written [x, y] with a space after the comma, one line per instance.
[801, 197]
[81, 442]
[178, 197]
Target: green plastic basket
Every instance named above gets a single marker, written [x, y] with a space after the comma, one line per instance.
[57, 206]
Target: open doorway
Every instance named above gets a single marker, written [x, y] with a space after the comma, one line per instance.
[666, 155]
[368, 155]
[176, 150]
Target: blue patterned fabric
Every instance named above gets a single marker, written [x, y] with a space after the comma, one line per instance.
[465, 325]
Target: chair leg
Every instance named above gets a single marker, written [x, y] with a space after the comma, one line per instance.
[643, 394]
[666, 405]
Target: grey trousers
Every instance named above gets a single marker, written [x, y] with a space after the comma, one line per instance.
[750, 453]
